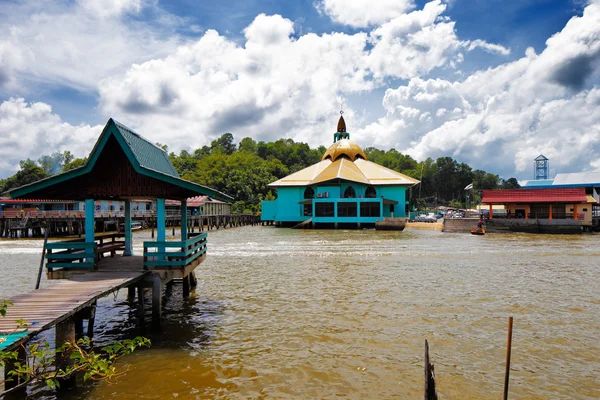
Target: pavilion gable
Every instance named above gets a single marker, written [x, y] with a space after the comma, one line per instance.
[122, 165]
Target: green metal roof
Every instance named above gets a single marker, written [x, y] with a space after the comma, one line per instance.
[147, 154]
[145, 157]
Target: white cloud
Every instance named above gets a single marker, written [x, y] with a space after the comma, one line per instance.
[544, 103]
[414, 44]
[76, 44]
[489, 47]
[363, 13]
[32, 130]
[272, 86]
[111, 8]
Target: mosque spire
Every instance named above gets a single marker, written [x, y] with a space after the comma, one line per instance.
[341, 129]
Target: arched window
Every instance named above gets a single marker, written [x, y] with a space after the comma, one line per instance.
[349, 192]
[309, 193]
[370, 193]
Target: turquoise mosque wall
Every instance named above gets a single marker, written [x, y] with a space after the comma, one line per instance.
[286, 208]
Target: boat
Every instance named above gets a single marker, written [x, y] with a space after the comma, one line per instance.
[478, 231]
[135, 226]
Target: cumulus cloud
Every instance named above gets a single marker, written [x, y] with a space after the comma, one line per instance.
[414, 44]
[111, 8]
[546, 103]
[30, 130]
[489, 47]
[271, 86]
[363, 13]
[76, 44]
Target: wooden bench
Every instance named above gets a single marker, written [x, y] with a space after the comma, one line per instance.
[109, 244]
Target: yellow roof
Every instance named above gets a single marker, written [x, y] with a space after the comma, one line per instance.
[304, 176]
[342, 168]
[360, 170]
[344, 147]
[378, 175]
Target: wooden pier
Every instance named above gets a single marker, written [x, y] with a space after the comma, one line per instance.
[34, 223]
[63, 299]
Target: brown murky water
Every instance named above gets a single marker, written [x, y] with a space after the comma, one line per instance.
[282, 313]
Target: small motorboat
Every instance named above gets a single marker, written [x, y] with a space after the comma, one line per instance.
[478, 231]
[135, 226]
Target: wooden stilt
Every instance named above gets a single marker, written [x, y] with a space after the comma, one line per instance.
[186, 286]
[156, 302]
[193, 280]
[91, 321]
[65, 332]
[141, 311]
[131, 294]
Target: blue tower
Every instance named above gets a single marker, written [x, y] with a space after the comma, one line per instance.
[541, 167]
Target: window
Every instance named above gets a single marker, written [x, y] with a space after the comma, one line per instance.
[324, 209]
[349, 193]
[309, 193]
[347, 210]
[371, 209]
[370, 193]
[308, 210]
[585, 210]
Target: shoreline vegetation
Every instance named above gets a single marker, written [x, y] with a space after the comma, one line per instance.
[245, 169]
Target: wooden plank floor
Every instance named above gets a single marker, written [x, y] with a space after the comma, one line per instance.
[48, 306]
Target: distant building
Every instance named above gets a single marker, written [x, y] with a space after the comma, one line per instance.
[343, 190]
[541, 167]
[201, 205]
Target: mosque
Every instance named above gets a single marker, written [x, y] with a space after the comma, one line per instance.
[344, 190]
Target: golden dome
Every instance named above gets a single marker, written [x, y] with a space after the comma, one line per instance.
[344, 147]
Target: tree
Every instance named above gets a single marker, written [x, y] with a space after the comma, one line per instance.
[225, 142]
[510, 183]
[76, 163]
[30, 172]
[248, 145]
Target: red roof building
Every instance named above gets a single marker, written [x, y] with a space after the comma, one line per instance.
[519, 196]
[547, 203]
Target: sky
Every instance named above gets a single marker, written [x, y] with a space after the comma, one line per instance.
[492, 83]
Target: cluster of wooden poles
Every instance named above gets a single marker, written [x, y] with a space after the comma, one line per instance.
[430, 392]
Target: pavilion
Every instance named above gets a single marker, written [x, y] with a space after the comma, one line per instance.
[123, 166]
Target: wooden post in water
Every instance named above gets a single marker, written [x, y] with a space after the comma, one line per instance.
[156, 302]
[39, 278]
[508, 350]
[430, 393]
[141, 311]
[91, 320]
[193, 280]
[186, 286]
[65, 332]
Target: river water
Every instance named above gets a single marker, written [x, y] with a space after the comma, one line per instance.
[281, 313]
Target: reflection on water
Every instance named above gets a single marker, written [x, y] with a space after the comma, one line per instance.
[282, 313]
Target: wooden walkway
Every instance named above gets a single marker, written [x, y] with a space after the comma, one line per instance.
[60, 300]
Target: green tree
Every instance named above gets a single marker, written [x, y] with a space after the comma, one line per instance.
[29, 172]
[510, 183]
[224, 142]
[248, 145]
[76, 163]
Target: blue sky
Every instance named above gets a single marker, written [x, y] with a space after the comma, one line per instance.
[477, 80]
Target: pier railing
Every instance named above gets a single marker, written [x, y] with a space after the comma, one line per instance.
[176, 254]
[70, 254]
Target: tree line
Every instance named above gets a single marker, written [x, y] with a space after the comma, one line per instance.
[245, 169]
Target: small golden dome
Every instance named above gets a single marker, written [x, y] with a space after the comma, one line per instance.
[344, 147]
